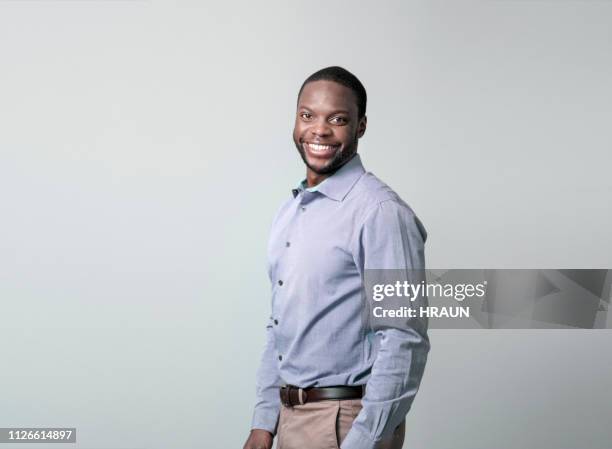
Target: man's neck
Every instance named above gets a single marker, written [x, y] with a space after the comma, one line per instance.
[314, 179]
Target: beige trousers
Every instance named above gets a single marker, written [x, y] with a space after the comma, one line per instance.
[324, 425]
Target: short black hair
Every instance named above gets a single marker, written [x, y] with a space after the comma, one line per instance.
[341, 76]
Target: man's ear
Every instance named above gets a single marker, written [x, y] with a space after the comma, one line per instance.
[361, 128]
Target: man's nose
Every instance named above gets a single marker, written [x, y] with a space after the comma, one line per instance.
[321, 129]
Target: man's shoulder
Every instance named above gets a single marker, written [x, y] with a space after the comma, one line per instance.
[370, 191]
[377, 199]
[284, 205]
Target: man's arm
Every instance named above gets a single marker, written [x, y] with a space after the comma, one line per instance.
[391, 238]
[267, 404]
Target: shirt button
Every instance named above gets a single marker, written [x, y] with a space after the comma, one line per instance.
[303, 208]
[280, 282]
[280, 357]
[276, 322]
[288, 244]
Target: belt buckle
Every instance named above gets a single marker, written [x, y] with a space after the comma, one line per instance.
[285, 395]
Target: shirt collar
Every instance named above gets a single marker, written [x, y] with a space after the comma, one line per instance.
[338, 185]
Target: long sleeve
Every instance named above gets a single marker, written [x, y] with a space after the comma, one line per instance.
[391, 238]
[267, 405]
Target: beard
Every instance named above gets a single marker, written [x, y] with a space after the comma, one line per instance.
[341, 157]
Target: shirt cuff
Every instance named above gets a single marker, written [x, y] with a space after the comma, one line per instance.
[356, 440]
[265, 420]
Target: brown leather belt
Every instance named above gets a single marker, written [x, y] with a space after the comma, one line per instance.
[291, 395]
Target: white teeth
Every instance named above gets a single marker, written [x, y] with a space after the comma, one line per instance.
[316, 148]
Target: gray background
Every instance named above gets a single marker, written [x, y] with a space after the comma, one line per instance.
[145, 147]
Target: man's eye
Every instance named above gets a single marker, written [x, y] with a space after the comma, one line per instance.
[338, 120]
[306, 115]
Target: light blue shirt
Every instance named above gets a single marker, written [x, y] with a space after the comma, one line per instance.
[303, 186]
[321, 242]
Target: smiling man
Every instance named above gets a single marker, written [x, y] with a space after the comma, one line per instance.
[328, 377]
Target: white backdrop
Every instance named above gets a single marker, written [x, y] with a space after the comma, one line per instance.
[145, 147]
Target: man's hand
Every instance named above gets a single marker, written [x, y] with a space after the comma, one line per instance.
[259, 439]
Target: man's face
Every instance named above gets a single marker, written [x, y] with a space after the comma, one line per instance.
[327, 126]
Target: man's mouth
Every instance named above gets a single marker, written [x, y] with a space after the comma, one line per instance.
[319, 149]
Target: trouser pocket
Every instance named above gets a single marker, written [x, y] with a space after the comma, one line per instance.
[309, 426]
